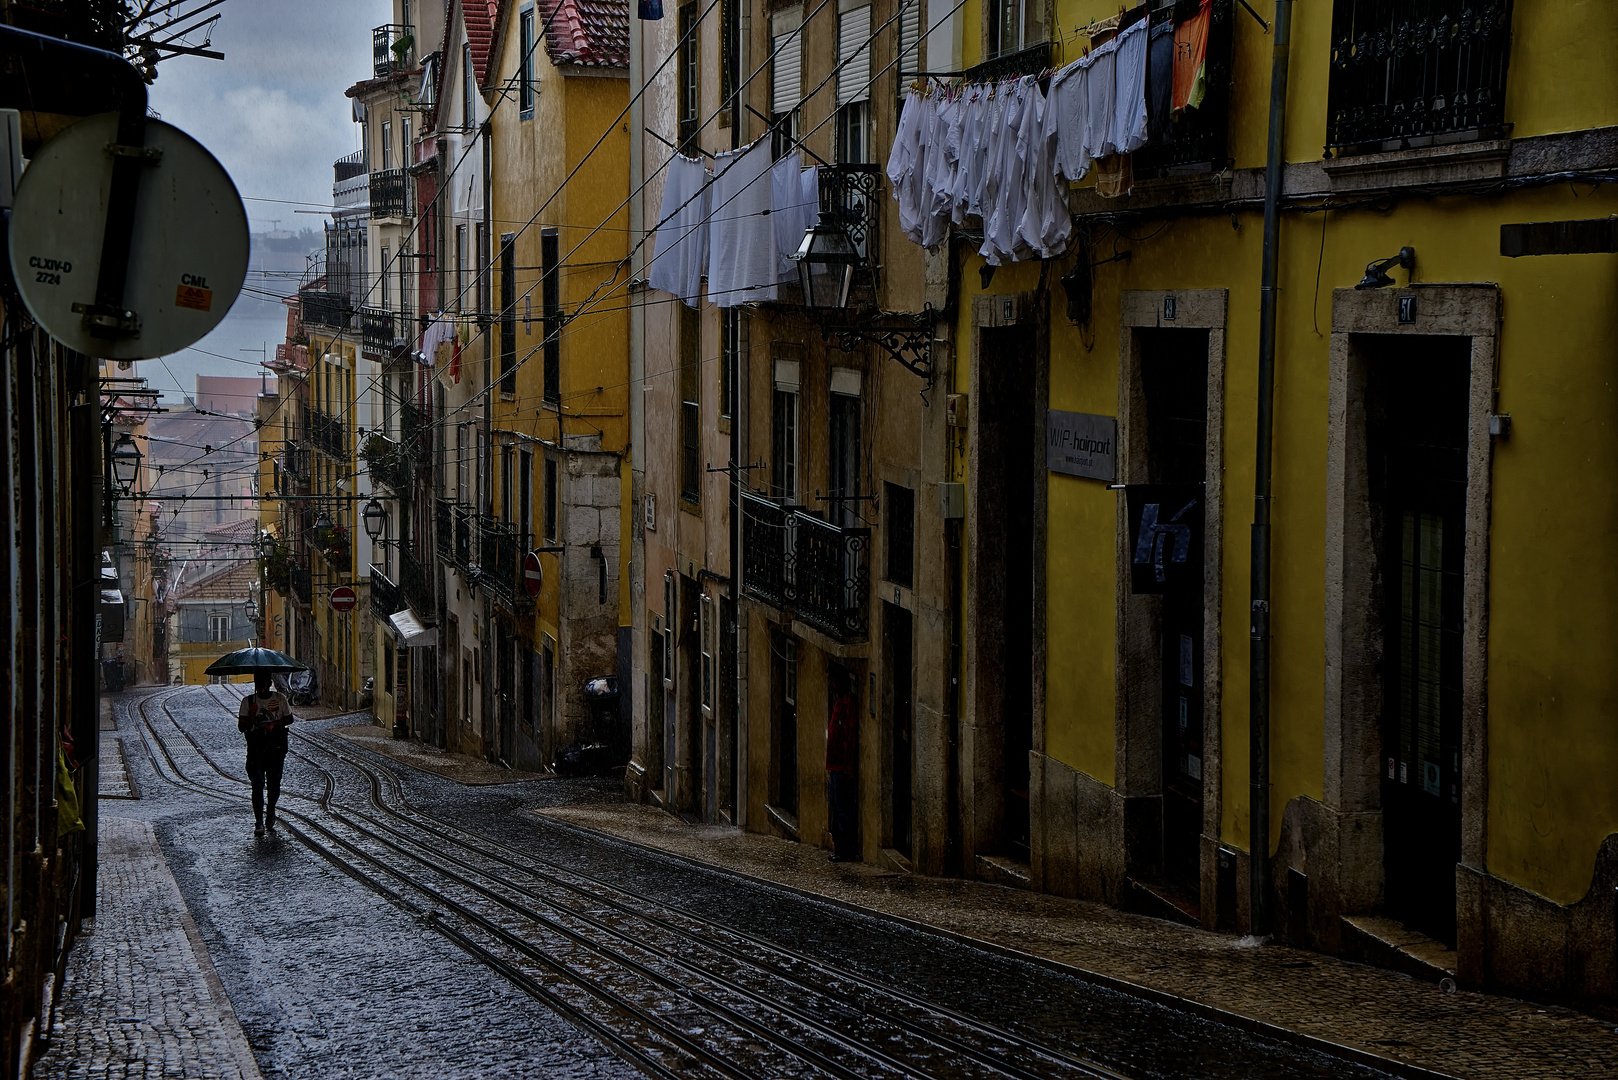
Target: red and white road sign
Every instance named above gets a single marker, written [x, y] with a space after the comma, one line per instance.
[533, 575]
[343, 599]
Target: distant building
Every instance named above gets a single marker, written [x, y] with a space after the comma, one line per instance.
[207, 605]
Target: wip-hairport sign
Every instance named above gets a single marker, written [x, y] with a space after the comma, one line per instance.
[1081, 444]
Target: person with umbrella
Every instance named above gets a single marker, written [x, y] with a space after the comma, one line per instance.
[263, 717]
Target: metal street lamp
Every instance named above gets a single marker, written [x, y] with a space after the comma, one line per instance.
[826, 261]
[126, 458]
[375, 519]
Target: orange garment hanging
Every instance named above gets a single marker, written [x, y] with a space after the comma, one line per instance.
[1191, 59]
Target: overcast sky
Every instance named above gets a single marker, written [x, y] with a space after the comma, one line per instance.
[273, 111]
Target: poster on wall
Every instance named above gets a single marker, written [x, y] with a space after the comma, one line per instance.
[1165, 537]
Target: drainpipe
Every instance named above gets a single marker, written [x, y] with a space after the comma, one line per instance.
[1259, 690]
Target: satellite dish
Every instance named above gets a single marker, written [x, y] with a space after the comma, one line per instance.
[188, 250]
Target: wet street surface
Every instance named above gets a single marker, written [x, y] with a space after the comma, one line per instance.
[404, 924]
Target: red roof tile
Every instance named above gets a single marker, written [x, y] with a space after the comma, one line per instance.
[588, 33]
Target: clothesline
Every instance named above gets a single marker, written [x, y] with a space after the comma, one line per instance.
[995, 150]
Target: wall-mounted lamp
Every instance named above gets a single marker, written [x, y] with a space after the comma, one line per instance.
[1376, 274]
[1076, 285]
[375, 519]
[125, 463]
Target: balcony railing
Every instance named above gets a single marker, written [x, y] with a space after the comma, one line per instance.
[444, 528]
[808, 566]
[465, 527]
[377, 328]
[415, 580]
[1196, 141]
[295, 463]
[349, 166]
[327, 434]
[416, 431]
[327, 309]
[1416, 71]
[298, 577]
[501, 548]
[384, 593]
[390, 194]
[385, 461]
[393, 48]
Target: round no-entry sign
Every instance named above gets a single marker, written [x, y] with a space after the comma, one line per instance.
[533, 575]
[343, 599]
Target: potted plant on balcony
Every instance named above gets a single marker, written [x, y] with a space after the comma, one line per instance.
[332, 540]
[381, 456]
[276, 566]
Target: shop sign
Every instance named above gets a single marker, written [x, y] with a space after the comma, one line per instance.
[1081, 444]
[1165, 537]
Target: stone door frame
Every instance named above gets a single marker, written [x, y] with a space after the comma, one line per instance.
[1353, 694]
[1138, 710]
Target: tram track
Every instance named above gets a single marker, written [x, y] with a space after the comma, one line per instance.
[674, 993]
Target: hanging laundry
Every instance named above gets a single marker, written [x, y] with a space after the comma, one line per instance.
[681, 246]
[1067, 114]
[1115, 175]
[902, 160]
[1101, 119]
[1129, 102]
[794, 205]
[1160, 80]
[1046, 221]
[741, 236]
[1191, 58]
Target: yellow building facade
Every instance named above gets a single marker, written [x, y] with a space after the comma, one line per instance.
[1440, 736]
[556, 409]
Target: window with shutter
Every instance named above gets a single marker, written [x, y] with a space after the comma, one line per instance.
[854, 55]
[911, 18]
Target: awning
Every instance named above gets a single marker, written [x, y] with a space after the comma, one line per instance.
[411, 633]
[112, 596]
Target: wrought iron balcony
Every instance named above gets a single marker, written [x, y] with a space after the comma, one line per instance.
[327, 309]
[1414, 72]
[806, 565]
[385, 461]
[378, 328]
[501, 547]
[384, 593]
[465, 527]
[328, 434]
[390, 194]
[295, 463]
[444, 528]
[298, 578]
[393, 48]
[416, 431]
[1031, 60]
[1196, 141]
[415, 580]
[766, 550]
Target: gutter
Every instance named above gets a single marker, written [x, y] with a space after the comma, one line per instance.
[1259, 652]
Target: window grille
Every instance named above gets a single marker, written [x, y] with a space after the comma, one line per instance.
[1411, 72]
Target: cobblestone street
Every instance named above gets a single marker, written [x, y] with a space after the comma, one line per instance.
[405, 923]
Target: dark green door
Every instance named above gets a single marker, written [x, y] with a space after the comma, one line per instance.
[1419, 403]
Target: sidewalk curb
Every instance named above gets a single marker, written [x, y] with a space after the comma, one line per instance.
[1354, 1054]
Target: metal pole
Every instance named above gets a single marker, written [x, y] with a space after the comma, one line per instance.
[1259, 690]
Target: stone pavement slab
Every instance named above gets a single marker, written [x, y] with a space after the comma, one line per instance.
[141, 998]
[1382, 1014]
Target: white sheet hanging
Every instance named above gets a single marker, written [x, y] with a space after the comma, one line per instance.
[793, 208]
[741, 236]
[681, 244]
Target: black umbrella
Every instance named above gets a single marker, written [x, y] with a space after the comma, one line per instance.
[254, 661]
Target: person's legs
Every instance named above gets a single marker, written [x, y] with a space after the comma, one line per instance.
[255, 774]
[272, 779]
[842, 816]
